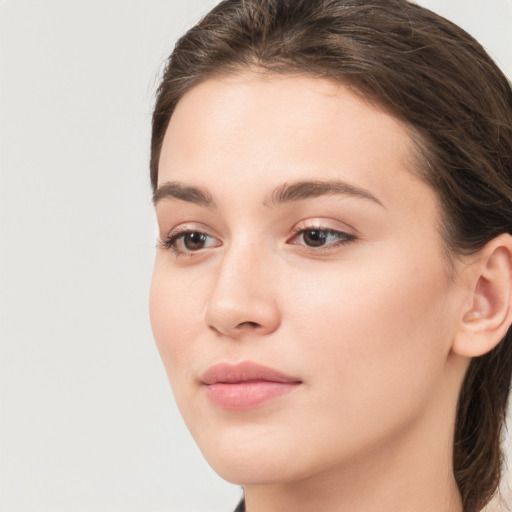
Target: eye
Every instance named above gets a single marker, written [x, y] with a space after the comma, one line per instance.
[185, 242]
[320, 237]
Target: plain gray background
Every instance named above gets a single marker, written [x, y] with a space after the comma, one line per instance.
[88, 422]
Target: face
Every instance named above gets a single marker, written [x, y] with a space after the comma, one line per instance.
[300, 298]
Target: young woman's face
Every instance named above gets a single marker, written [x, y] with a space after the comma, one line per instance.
[301, 300]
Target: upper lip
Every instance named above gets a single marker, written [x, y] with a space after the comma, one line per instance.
[246, 371]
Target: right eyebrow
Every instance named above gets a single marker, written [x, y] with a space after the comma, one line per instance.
[178, 190]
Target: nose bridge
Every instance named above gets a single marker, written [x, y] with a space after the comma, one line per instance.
[241, 265]
[242, 297]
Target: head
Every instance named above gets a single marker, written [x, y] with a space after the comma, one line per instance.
[449, 105]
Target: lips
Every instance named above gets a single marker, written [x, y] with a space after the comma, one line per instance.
[245, 385]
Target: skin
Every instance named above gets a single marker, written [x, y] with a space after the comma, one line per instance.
[366, 324]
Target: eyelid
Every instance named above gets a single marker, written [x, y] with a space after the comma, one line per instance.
[190, 227]
[325, 224]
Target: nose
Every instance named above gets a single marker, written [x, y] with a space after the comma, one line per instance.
[242, 301]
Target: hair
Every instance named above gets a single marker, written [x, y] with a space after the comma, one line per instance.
[439, 81]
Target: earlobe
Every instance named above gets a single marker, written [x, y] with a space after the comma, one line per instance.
[486, 320]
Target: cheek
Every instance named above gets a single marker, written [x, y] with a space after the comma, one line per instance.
[382, 330]
[175, 307]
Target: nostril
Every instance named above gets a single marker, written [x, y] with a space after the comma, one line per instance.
[240, 326]
[248, 324]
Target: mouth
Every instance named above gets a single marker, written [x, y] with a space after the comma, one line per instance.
[246, 385]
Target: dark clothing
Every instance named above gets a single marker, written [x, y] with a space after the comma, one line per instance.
[240, 507]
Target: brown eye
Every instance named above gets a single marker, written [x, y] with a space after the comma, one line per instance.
[194, 241]
[314, 237]
[188, 242]
[319, 237]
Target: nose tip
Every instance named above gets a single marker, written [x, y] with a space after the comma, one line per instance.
[236, 319]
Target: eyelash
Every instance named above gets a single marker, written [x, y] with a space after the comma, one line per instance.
[172, 239]
[344, 238]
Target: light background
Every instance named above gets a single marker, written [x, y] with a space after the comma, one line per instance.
[88, 422]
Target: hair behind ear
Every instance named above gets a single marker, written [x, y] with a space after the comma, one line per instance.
[486, 336]
[477, 456]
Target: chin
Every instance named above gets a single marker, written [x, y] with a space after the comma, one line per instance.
[246, 459]
[245, 474]
[253, 472]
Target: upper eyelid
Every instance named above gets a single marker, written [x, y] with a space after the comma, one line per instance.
[327, 230]
[191, 227]
[325, 225]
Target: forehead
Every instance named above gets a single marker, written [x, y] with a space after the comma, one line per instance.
[265, 129]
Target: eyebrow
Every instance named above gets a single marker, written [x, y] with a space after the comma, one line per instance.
[178, 190]
[308, 189]
[288, 192]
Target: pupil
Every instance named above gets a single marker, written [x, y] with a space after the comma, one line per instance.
[314, 237]
[194, 241]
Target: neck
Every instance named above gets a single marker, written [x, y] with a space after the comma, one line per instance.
[372, 486]
[382, 485]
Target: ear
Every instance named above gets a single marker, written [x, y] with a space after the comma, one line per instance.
[488, 312]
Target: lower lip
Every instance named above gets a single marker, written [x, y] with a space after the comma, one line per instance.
[247, 395]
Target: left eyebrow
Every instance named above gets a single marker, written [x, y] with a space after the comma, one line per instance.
[308, 189]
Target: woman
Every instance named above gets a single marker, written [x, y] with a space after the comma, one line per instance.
[332, 288]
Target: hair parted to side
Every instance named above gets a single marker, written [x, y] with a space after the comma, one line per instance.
[433, 76]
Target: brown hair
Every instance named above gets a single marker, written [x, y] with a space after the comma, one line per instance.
[437, 79]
